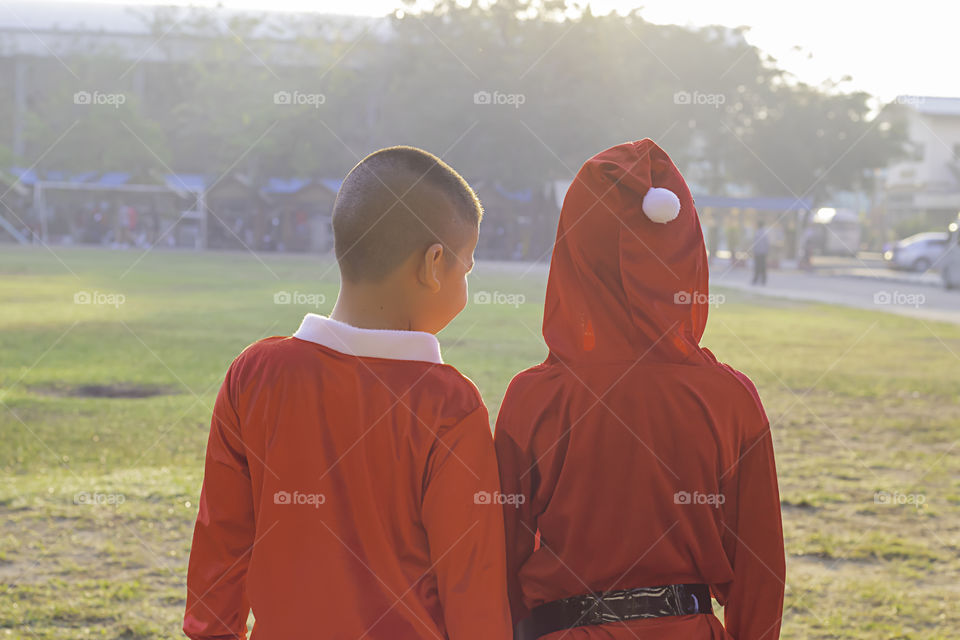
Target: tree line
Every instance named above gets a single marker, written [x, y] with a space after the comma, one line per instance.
[520, 92]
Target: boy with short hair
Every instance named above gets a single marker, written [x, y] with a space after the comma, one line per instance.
[645, 465]
[343, 462]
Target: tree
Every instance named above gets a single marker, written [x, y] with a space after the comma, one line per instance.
[807, 142]
[88, 118]
[518, 91]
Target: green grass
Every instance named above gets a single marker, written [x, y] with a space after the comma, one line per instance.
[860, 402]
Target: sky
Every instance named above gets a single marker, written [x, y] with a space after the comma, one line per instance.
[887, 47]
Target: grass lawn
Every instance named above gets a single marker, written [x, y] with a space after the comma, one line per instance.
[860, 402]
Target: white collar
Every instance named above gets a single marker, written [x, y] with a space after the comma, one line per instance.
[369, 343]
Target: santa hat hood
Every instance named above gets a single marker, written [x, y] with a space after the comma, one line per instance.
[628, 278]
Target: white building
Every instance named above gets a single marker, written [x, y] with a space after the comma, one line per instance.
[928, 183]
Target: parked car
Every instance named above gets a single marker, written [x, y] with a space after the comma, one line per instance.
[951, 261]
[918, 252]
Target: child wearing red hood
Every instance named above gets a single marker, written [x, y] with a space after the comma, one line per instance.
[645, 465]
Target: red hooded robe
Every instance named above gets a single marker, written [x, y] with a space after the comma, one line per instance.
[642, 460]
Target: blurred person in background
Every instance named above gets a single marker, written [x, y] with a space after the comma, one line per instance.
[761, 251]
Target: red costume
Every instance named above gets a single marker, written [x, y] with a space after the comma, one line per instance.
[340, 497]
[641, 459]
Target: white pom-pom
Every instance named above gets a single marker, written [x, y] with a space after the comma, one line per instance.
[661, 205]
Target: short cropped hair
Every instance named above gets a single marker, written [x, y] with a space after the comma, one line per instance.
[395, 202]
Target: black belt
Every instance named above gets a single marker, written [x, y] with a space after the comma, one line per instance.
[615, 606]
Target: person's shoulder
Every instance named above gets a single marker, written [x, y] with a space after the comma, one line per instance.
[455, 393]
[257, 358]
[523, 392]
[271, 347]
[741, 388]
[740, 381]
[527, 379]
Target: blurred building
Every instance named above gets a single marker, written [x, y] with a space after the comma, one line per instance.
[37, 37]
[38, 42]
[923, 191]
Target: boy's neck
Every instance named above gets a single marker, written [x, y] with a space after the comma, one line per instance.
[370, 306]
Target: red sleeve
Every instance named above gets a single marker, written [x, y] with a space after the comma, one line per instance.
[464, 526]
[753, 539]
[217, 605]
[517, 474]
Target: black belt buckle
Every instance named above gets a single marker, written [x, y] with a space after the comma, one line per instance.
[615, 606]
[674, 601]
[594, 610]
[693, 604]
[590, 609]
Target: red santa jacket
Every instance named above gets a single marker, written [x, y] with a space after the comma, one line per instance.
[346, 495]
[640, 459]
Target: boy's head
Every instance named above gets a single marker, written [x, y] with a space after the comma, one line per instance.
[405, 226]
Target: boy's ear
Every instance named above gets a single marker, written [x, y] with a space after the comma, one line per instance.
[431, 267]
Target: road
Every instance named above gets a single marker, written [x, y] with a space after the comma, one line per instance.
[862, 282]
[855, 282]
